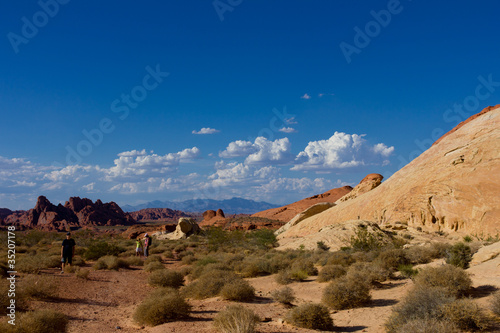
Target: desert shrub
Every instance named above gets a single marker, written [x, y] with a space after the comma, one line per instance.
[284, 295]
[331, 272]
[21, 300]
[459, 255]
[238, 290]
[203, 261]
[166, 278]
[111, 263]
[466, 314]
[236, 319]
[168, 254]
[440, 249]
[35, 263]
[427, 325]
[161, 307]
[392, 258]
[69, 269]
[82, 273]
[455, 280]
[152, 258]
[98, 249]
[322, 246]
[209, 284]
[495, 303]
[39, 286]
[251, 269]
[134, 261]
[346, 293]
[467, 239]
[305, 265]
[407, 271]
[77, 261]
[363, 240]
[340, 258]
[153, 266]
[185, 270]
[183, 254]
[288, 276]
[420, 254]
[189, 259]
[179, 248]
[368, 272]
[421, 303]
[312, 316]
[42, 321]
[201, 270]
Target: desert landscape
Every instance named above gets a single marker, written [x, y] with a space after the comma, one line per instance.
[416, 253]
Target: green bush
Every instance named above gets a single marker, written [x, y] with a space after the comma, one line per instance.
[160, 307]
[238, 290]
[312, 316]
[367, 271]
[42, 321]
[455, 280]
[407, 271]
[166, 278]
[391, 259]
[422, 302]
[236, 319]
[346, 293]
[364, 241]
[111, 263]
[209, 284]
[98, 249]
[331, 272]
[288, 276]
[466, 314]
[304, 265]
[39, 286]
[284, 295]
[459, 255]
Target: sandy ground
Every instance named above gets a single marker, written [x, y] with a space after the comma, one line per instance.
[106, 302]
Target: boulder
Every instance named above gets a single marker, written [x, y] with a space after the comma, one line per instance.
[313, 210]
[185, 228]
[486, 253]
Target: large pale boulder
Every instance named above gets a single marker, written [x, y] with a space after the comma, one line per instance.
[313, 210]
[486, 253]
[185, 228]
[453, 187]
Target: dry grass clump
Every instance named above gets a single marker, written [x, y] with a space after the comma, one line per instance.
[134, 261]
[111, 263]
[153, 266]
[455, 280]
[166, 278]
[312, 316]
[340, 258]
[82, 273]
[288, 276]
[21, 301]
[331, 272]
[284, 295]
[466, 314]
[495, 303]
[420, 254]
[189, 259]
[421, 303]
[304, 265]
[69, 269]
[428, 325]
[152, 258]
[346, 293]
[39, 286]
[35, 263]
[391, 259]
[161, 307]
[42, 321]
[209, 284]
[236, 319]
[238, 290]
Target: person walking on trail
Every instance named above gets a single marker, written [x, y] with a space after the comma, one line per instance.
[147, 244]
[67, 251]
[138, 248]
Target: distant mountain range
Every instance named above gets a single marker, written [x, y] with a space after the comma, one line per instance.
[229, 206]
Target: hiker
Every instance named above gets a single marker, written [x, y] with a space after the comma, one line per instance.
[147, 244]
[67, 251]
[138, 248]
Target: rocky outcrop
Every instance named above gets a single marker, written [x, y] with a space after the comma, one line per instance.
[313, 210]
[138, 230]
[451, 187]
[286, 213]
[213, 218]
[486, 253]
[366, 184]
[75, 213]
[158, 214]
[185, 228]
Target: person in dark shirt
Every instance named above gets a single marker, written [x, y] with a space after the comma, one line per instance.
[67, 251]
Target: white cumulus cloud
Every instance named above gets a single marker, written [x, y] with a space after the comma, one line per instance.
[305, 96]
[206, 130]
[288, 130]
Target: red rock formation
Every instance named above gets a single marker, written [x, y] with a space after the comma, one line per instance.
[213, 218]
[286, 213]
[75, 213]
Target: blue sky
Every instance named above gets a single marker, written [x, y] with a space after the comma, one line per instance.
[287, 111]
